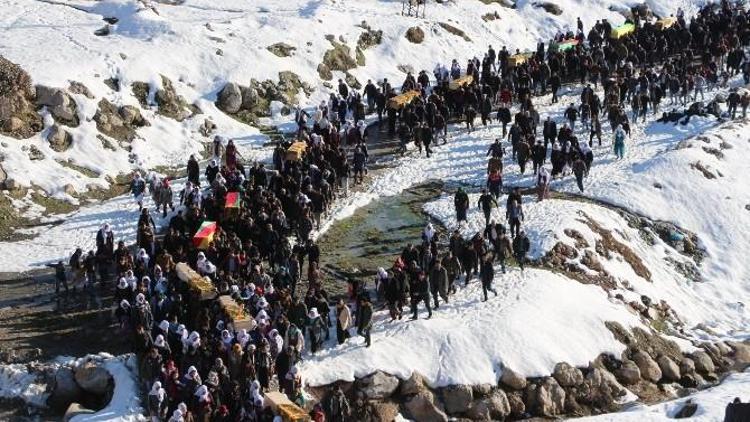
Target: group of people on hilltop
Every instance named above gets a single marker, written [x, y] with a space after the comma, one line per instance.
[193, 362]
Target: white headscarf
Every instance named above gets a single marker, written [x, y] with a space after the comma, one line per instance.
[157, 391]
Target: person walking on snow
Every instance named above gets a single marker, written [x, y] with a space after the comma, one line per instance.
[542, 184]
[521, 246]
[487, 275]
[461, 203]
[486, 203]
[619, 142]
[138, 188]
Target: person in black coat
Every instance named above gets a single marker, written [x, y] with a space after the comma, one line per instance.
[193, 171]
[487, 274]
[521, 247]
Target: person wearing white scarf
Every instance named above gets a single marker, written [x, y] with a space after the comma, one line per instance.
[157, 402]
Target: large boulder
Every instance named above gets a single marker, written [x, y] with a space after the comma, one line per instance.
[687, 366]
[670, 371]
[457, 398]
[94, 379]
[64, 390]
[601, 387]
[422, 408]
[59, 103]
[377, 386]
[549, 7]
[567, 375]
[650, 370]
[517, 406]
[59, 139]
[74, 410]
[686, 411]
[479, 411]
[512, 379]
[703, 363]
[229, 99]
[628, 373]
[415, 35]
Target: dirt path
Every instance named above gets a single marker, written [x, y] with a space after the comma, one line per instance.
[37, 324]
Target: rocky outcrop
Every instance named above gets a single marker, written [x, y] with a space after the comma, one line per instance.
[421, 407]
[118, 122]
[59, 103]
[628, 374]
[546, 398]
[339, 58]
[170, 104]
[59, 139]
[455, 31]
[18, 117]
[248, 103]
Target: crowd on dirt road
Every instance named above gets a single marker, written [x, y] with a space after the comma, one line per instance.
[196, 365]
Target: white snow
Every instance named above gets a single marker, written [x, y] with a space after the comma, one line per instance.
[538, 319]
[17, 382]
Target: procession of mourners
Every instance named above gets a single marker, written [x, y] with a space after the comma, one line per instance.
[229, 298]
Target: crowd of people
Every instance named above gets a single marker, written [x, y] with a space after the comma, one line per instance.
[195, 365]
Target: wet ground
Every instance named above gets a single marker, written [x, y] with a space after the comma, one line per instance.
[374, 236]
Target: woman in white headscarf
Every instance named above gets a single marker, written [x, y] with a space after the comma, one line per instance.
[157, 402]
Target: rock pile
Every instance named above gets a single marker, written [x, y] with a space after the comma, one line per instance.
[81, 389]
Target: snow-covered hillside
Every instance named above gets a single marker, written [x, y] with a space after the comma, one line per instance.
[200, 45]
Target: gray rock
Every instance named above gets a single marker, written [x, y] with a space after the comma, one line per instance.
[549, 7]
[479, 411]
[687, 366]
[457, 398]
[512, 379]
[567, 375]
[413, 385]
[670, 371]
[229, 99]
[422, 408]
[378, 385]
[517, 407]
[74, 410]
[546, 399]
[686, 411]
[129, 115]
[59, 103]
[482, 390]
[723, 348]
[64, 390]
[94, 379]
[59, 139]
[703, 362]
[650, 370]
[499, 405]
[249, 98]
[628, 373]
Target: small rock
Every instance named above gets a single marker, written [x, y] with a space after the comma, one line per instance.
[512, 379]
[499, 405]
[669, 369]
[35, 154]
[457, 398]
[628, 373]
[549, 7]
[687, 366]
[479, 411]
[517, 407]
[94, 379]
[686, 411]
[650, 370]
[378, 386]
[415, 35]
[567, 375]
[703, 362]
[59, 139]
[413, 385]
[421, 408]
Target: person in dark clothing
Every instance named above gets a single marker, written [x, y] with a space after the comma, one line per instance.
[364, 318]
[461, 203]
[579, 170]
[193, 171]
[521, 246]
[487, 274]
[60, 277]
[420, 292]
[471, 115]
[486, 203]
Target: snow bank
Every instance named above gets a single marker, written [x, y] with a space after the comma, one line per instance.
[17, 382]
[537, 320]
